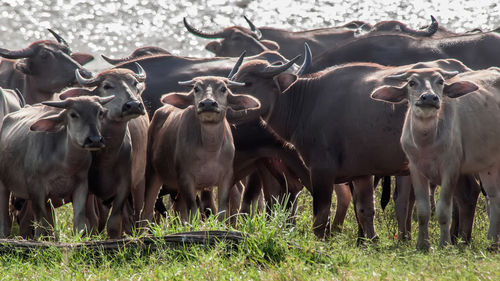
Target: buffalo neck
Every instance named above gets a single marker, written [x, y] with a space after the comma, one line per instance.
[34, 95]
[113, 133]
[289, 109]
[426, 132]
[212, 135]
[74, 154]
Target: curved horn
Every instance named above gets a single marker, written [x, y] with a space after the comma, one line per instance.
[234, 83]
[427, 31]
[105, 100]
[59, 104]
[433, 27]
[117, 61]
[87, 82]
[448, 74]
[399, 76]
[18, 54]
[186, 83]
[140, 75]
[273, 70]
[307, 59]
[200, 33]
[22, 101]
[254, 29]
[58, 37]
[236, 66]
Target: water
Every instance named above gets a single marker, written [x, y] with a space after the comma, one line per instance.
[116, 28]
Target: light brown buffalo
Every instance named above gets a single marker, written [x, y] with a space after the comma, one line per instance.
[444, 136]
[190, 145]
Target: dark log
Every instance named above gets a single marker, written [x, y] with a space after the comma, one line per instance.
[177, 240]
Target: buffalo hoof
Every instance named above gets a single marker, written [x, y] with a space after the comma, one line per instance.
[494, 247]
[424, 246]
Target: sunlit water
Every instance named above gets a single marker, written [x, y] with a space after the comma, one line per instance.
[115, 28]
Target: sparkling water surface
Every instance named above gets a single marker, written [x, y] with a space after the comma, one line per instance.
[116, 28]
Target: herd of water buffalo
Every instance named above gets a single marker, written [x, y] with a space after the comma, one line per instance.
[375, 101]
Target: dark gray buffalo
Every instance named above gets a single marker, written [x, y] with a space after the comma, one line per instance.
[61, 134]
[42, 69]
[235, 39]
[477, 51]
[298, 110]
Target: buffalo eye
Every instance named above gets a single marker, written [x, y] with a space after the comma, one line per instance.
[196, 89]
[411, 83]
[223, 89]
[73, 115]
[136, 83]
[107, 87]
[440, 81]
[101, 114]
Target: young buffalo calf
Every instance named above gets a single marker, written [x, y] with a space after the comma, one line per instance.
[46, 154]
[190, 145]
[444, 137]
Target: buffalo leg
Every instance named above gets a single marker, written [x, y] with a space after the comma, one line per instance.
[343, 197]
[79, 199]
[5, 219]
[491, 184]
[402, 206]
[322, 186]
[465, 200]
[153, 185]
[207, 206]
[365, 209]
[421, 189]
[251, 194]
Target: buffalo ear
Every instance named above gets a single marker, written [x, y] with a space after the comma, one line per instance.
[23, 66]
[49, 124]
[458, 89]
[178, 100]
[390, 94]
[242, 102]
[82, 58]
[75, 92]
[271, 45]
[285, 80]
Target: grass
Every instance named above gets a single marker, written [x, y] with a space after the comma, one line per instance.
[273, 250]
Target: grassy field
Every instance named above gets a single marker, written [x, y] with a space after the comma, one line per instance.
[272, 250]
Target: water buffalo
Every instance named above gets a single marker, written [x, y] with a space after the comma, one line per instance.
[442, 139]
[477, 51]
[111, 172]
[338, 151]
[61, 134]
[190, 145]
[235, 39]
[42, 69]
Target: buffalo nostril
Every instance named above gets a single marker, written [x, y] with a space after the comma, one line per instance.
[434, 98]
[95, 139]
[213, 103]
[423, 98]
